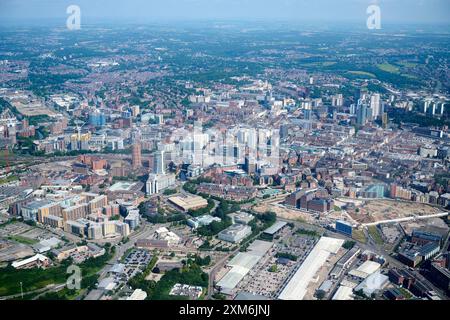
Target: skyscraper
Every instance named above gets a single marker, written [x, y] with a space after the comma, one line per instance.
[97, 118]
[136, 156]
[158, 166]
[375, 104]
[385, 120]
[361, 114]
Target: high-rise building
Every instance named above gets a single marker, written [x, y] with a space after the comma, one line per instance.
[97, 118]
[337, 100]
[159, 167]
[361, 114]
[136, 156]
[159, 182]
[385, 120]
[375, 105]
[426, 104]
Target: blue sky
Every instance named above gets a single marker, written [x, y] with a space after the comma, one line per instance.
[393, 11]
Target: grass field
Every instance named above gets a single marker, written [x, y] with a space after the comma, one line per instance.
[373, 231]
[36, 278]
[23, 240]
[408, 64]
[359, 236]
[389, 68]
[32, 279]
[362, 73]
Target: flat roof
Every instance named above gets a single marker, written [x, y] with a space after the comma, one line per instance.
[249, 296]
[376, 281]
[343, 293]
[242, 263]
[122, 186]
[190, 202]
[277, 226]
[366, 269]
[297, 287]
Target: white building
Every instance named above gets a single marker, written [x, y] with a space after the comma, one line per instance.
[137, 295]
[158, 182]
[235, 233]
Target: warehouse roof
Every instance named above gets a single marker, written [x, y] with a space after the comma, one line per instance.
[277, 226]
[376, 281]
[343, 293]
[297, 286]
[242, 263]
[366, 269]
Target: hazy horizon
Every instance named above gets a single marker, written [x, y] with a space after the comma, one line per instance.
[392, 11]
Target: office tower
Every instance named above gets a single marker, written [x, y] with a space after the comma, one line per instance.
[363, 93]
[136, 156]
[158, 167]
[432, 108]
[385, 120]
[361, 114]
[97, 118]
[440, 108]
[337, 100]
[426, 104]
[375, 104]
[135, 110]
[308, 114]
[284, 131]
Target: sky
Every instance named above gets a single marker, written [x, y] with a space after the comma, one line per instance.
[392, 11]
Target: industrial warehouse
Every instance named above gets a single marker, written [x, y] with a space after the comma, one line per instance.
[241, 264]
[296, 288]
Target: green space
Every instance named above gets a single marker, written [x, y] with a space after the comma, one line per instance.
[408, 64]
[23, 240]
[359, 236]
[64, 294]
[375, 235]
[348, 244]
[37, 278]
[389, 68]
[286, 255]
[273, 268]
[401, 116]
[223, 209]
[362, 73]
[307, 232]
[203, 211]
[406, 293]
[32, 279]
[169, 192]
[190, 274]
